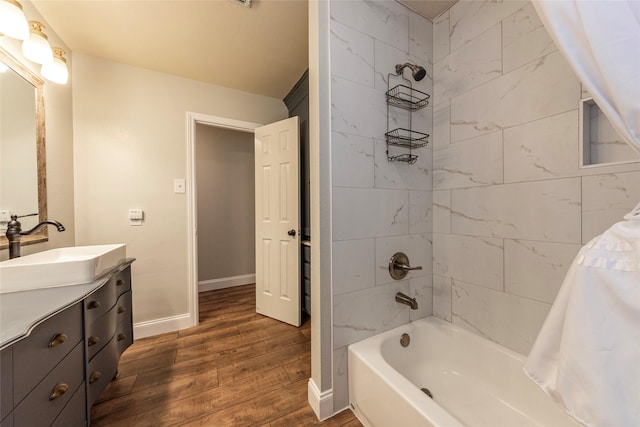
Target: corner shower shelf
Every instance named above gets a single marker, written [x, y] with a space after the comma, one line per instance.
[406, 98]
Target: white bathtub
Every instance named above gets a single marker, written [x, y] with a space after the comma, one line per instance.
[474, 382]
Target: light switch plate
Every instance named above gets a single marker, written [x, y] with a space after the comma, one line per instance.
[136, 216]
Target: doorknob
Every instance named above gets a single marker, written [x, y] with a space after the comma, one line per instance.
[291, 232]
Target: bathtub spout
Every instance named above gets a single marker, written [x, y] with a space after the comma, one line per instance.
[407, 300]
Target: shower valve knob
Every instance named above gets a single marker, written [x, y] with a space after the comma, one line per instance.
[399, 266]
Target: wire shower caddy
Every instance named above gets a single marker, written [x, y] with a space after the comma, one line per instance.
[405, 97]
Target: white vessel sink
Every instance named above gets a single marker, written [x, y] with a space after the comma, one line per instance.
[59, 267]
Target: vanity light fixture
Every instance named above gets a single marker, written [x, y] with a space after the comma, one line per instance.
[37, 48]
[56, 70]
[13, 23]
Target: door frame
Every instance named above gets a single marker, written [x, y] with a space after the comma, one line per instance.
[194, 119]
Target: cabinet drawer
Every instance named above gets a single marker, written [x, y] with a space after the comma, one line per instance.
[123, 281]
[44, 348]
[101, 370]
[124, 308]
[306, 268]
[101, 301]
[124, 336]
[46, 401]
[75, 413]
[100, 332]
[6, 382]
[307, 304]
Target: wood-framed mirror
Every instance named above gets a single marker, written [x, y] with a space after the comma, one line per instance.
[23, 183]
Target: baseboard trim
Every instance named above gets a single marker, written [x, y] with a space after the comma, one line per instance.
[226, 282]
[321, 402]
[161, 326]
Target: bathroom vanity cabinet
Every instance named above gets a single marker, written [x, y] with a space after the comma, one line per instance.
[52, 374]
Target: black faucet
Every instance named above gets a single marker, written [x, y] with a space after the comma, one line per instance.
[14, 232]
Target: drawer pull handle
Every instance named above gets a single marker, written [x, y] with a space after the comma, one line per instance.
[93, 304]
[93, 340]
[57, 340]
[121, 337]
[121, 309]
[120, 282]
[60, 389]
[95, 376]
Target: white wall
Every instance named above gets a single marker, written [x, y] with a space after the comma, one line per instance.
[511, 207]
[59, 142]
[226, 203]
[130, 142]
[320, 390]
[378, 207]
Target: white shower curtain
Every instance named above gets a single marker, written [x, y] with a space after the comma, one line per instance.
[601, 40]
[587, 355]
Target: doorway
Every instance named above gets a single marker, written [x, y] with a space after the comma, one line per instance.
[194, 120]
[226, 216]
[276, 204]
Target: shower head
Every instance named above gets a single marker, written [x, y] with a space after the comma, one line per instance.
[417, 71]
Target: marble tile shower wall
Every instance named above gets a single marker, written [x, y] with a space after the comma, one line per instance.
[378, 207]
[511, 206]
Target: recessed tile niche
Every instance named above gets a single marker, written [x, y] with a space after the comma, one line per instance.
[600, 144]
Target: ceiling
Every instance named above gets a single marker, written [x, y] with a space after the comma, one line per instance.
[262, 49]
[429, 8]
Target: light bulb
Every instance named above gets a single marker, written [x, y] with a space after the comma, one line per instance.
[37, 48]
[56, 70]
[12, 20]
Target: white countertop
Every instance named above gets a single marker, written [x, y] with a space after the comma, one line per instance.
[21, 311]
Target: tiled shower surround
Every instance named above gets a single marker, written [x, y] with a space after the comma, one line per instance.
[378, 207]
[511, 206]
[496, 207]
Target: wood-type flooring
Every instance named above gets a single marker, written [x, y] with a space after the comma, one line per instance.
[236, 368]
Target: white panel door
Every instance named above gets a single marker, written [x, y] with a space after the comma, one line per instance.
[278, 221]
